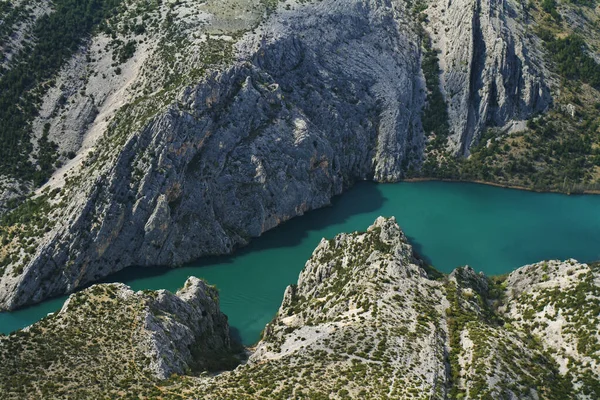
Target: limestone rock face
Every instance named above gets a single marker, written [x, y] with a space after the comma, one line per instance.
[183, 325]
[492, 69]
[315, 97]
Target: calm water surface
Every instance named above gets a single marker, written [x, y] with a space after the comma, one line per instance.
[492, 229]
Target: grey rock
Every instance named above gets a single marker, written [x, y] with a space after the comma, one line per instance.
[108, 336]
[492, 67]
[179, 322]
[364, 316]
[467, 277]
[364, 291]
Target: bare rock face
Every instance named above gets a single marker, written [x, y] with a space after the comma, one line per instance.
[186, 328]
[315, 97]
[492, 68]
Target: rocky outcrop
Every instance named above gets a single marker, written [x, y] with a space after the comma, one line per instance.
[560, 303]
[115, 339]
[492, 69]
[186, 328]
[317, 96]
[367, 315]
[362, 303]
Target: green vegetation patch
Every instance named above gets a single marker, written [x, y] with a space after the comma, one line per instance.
[573, 61]
[10, 15]
[58, 36]
[435, 115]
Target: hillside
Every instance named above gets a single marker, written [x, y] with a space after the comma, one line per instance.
[367, 319]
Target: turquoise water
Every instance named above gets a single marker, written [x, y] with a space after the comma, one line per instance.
[492, 229]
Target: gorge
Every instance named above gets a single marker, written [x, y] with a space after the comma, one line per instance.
[302, 156]
[491, 229]
[367, 319]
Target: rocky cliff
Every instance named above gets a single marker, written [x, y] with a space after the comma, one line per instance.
[493, 72]
[367, 319]
[240, 116]
[109, 339]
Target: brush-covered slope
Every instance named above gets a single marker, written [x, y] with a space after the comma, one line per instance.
[108, 341]
[367, 319]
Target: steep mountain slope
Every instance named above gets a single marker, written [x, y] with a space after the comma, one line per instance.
[492, 71]
[556, 150]
[367, 319]
[193, 127]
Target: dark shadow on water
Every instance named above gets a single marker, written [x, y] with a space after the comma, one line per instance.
[235, 335]
[131, 273]
[364, 197]
[418, 250]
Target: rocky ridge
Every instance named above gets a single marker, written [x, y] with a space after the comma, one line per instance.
[369, 319]
[112, 340]
[257, 121]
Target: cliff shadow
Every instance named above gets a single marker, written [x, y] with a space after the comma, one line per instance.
[418, 251]
[362, 198]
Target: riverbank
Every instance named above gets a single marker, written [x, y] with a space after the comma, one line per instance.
[503, 185]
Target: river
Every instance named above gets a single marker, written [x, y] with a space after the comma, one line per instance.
[494, 230]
